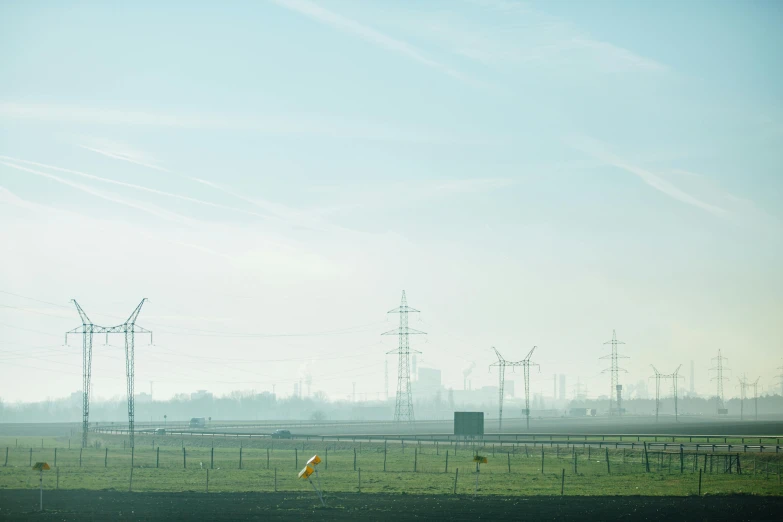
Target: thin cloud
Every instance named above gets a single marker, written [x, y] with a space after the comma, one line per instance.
[132, 185]
[282, 213]
[150, 209]
[369, 34]
[125, 157]
[598, 151]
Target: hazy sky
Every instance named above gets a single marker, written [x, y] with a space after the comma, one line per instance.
[272, 175]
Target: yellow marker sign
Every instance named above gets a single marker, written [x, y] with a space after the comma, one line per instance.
[306, 472]
[314, 461]
[41, 466]
[480, 459]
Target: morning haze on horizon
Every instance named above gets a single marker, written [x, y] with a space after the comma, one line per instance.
[273, 175]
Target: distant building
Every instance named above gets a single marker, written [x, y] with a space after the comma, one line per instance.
[200, 395]
[143, 398]
[428, 383]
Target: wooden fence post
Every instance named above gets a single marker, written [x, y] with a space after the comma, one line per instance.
[207, 480]
[447, 461]
[212, 458]
[6, 457]
[296, 458]
[275, 480]
[415, 459]
[31, 458]
[699, 482]
[542, 459]
[562, 482]
[682, 460]
[157, 457]
[608, 469]
[384, 455]
[240, 457]
[55, 457]
[80, 456]
[509, 461]
[354, 459]
[360, 480]
[184, 459]
[456, 476]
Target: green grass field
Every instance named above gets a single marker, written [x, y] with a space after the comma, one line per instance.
[415, 469]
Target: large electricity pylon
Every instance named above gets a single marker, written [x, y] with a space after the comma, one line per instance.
[501, 365]
[614, 370]
[718, 369]
[128, 329]
[526, 363]
[403, 409]
[674, 376]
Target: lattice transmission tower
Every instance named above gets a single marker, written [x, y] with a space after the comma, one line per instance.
[743, 386]
[719, 369]
[675, 377]
[403, 409]
[129, 329]
[501, 364]
[616, 393]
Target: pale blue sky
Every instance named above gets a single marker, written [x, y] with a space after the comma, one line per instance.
[530, 172]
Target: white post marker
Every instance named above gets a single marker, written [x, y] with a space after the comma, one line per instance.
[40, 467]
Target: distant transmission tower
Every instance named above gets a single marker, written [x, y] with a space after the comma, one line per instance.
[501, 364]
[128, 329]
[403, 409]
[614, 370]
[755, 385]
[743, 384]
[526, 363]
[675, 377]
[718, 369]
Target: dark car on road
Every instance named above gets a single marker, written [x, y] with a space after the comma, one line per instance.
[281, 434]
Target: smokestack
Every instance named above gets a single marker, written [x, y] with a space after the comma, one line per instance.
[693, 386]
[467, 371]
[562, 387]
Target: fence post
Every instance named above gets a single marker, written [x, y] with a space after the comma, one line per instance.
[562, 482]
[240, 457]
[55, 457]
[354, 459]
[384, 455]
[542, 459]
[207, 480]
[6, 457]
[509, 461]
[360, 480]
[415, 459]
[275, 480]
[80, 456]
[575, 468]
[296, 458]
[682, 460]
[646, 459]
[447, 461]
[130, 485]
[699, 482]
[31, 457]
[608, 469]
[157, 457]
[456, 476]
[326, 458]
[184, 459]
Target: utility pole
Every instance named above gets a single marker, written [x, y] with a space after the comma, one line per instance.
[743, 384]
[658, 376]
[386, 378]
[403, 409]
[129, 329]
[614, 370]
[755, 385]
[718, 369]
